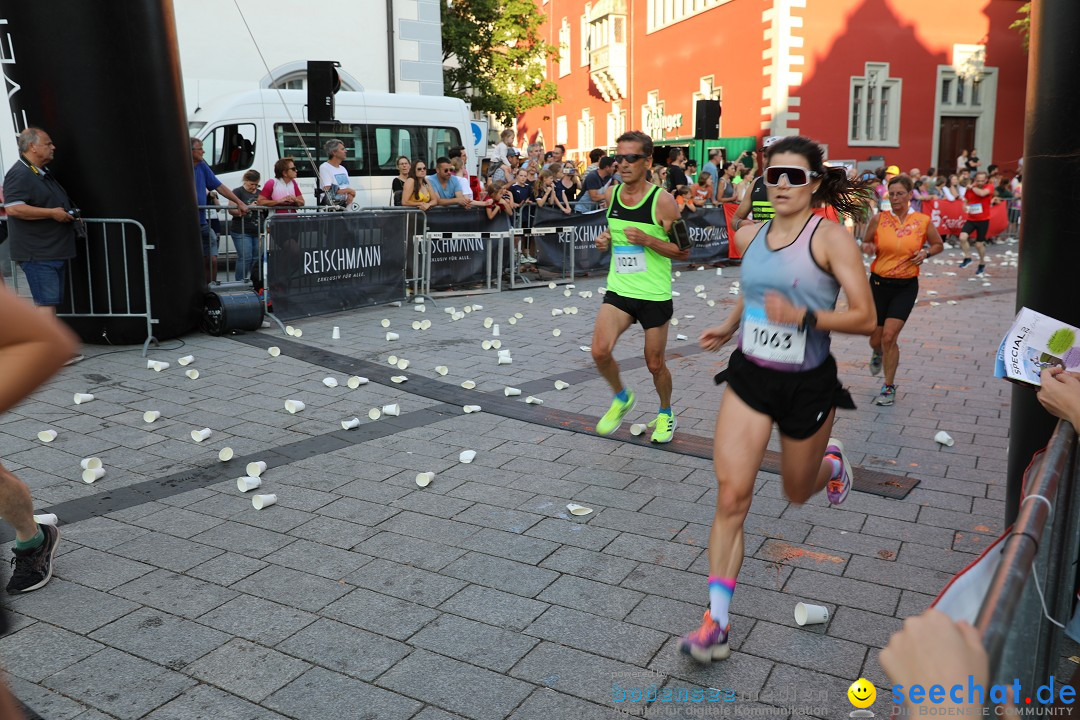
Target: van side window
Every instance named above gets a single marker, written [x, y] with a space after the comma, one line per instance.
[298, 146]
[230, 148]
[387, 142]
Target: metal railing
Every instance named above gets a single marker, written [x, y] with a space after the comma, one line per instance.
[1020, 641]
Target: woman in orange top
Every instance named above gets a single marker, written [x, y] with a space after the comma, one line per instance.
[897, 238]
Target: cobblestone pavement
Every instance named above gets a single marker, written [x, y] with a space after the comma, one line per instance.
[361, 595]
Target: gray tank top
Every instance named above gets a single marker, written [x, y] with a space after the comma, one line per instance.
[792, 272]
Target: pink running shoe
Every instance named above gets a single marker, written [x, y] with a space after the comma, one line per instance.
[709, 642]
[838, 489]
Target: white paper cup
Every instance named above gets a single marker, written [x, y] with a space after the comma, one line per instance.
[505, 360]
[247, 483]
[477, 307]
[488, 322]
[495, 330]
[46, 519]
[551, 285]
[528, 300]
[398, 379]
[294, 406]
[415, 324]
[150, 416]
[192, 374]
[329, 382]
[468, 384]
[256, 468]
[486, 344]
[263, 501]
[200, 435]
[567, 293]
[449, 310]
[425, 324]
[385, 323]
[576, 509]
[424, 479]
[423, 308]
[511, 391]
[150, 364]
[46, 435]
[274, 351]
[159, 365]
[350, 424]
[392, 336]
[90, 463]
[391, 360]
[418, 300]
[225, 454]
[298, 332]
[504, 353]
[290, 330]
[393, 410]
[561, 384]
[512, 321]
[467, 309]
[374, 413]
[496, 344]
[555, 312]
[186, 360]
[356, 381]
[402, 364]
[81, 398]
[335, 334]
[92, 475]
[944, 438]
[811, 614]
[556, 332]
[471, 409]
[638, 429]
[442, 369]
[467, 456]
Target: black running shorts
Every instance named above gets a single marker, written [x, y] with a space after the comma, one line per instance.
[976, 229]
[650, 313]
[799, 402]
[893, 297]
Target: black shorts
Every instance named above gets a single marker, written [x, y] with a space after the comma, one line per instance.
[978, 228]
[650, 313]
[893, 297]
[799, 402]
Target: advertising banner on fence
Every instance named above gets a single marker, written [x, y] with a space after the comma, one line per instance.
[328, 262]
[948, 216]
[461, 260]
[708, 230]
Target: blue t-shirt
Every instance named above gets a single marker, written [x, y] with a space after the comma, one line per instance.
[205, 181]
[449, 191]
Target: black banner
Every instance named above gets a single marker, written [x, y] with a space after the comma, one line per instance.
[708, 230]
[321, 263]
[462, 260]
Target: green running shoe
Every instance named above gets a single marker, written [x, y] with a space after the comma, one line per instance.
[615, 414]
[665, 427]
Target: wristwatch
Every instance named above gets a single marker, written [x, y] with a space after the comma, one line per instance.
[809, 320]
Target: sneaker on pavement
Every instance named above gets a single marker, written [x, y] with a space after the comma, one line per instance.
[665, 427]
[615, 414]
[709, 642]
[981, 270]
[34, 567]
[875, 363]
[837, 490]
[887, 396]
[965, 262]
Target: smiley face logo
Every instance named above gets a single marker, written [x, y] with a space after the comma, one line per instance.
[862, 693]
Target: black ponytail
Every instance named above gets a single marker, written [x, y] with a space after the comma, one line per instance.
[848, 197]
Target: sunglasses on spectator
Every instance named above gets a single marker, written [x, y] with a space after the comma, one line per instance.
[796, 176]
[421, 168]
[631, 158]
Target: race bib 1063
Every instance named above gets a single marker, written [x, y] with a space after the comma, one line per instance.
[771, 342]
[629, 259]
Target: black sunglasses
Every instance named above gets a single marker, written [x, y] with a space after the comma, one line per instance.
[631, 158]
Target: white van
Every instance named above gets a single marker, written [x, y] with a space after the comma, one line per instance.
[252, 130]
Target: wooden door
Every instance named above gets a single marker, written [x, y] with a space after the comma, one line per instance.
[955, 135]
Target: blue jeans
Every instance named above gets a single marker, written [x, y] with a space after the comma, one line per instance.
[245, 254]
[46, 280]
[209, 241]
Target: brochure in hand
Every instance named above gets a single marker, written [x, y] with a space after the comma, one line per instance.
[1033, 343]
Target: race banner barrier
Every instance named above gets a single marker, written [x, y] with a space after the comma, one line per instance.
[320, 263]
[948, 216]
[458, 244]
[708, 231]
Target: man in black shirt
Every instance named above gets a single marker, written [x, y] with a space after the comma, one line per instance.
[594, 186]
[675, 174]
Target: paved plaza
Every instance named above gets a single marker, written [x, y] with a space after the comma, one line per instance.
[361, 595]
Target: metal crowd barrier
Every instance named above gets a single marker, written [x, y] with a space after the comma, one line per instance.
[1045, 539]
[423, 253]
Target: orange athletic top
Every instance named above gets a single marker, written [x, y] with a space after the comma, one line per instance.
[896, 244]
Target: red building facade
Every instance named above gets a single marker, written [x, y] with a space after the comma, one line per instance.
[909, 81]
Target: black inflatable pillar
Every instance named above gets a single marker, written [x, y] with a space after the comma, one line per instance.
[103, 79]
[1049, 233]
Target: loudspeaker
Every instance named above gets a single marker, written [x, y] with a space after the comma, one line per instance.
[707, 126]
[322, 82]
[232, 310]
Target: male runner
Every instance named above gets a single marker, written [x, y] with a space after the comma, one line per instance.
[639, 216]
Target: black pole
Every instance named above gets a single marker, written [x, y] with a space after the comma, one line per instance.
[1049, 236]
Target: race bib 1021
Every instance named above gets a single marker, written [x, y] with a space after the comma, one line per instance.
[629, 259]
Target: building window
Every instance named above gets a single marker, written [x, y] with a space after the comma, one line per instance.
[975, 84]
[946, 90]
[585, 130]
[616, 123]
[875, 107]
[564, 49]
[560, 130]
[586, 35]
[662, 13]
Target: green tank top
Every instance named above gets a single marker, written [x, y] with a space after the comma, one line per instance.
[637, 272]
